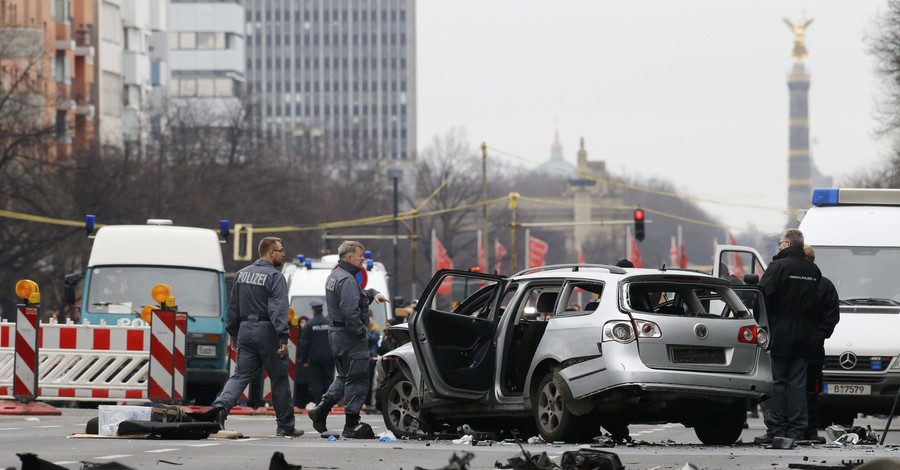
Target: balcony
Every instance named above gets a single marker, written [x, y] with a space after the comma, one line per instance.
[65, 45]
[64, 98]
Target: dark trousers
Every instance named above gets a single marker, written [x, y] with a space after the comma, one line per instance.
[257, 386]
[785, 413]
[814, 378]
[257, 343]
[321, 374]
[351, 359]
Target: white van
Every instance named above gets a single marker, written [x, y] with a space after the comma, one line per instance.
[306, 282]
[856, 235]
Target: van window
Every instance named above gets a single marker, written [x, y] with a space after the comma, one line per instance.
[867, 274]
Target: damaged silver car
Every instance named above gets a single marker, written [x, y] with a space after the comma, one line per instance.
[566, 350]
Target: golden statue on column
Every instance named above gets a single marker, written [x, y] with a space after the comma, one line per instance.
[799, 30]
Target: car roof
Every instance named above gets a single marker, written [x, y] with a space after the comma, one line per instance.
[615, 273]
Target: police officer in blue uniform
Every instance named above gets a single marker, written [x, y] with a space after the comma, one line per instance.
[258, 319]
[315, 352]
[348, 312]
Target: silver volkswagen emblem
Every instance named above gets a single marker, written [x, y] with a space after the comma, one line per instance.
[847, 360]
[701, 331]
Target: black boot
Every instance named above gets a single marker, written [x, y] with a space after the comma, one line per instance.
[353, 429]
[318, 416]
[216, 414]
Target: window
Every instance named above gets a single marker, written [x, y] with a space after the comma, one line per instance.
[187, 40]
[206, 87]
[112, 23]
[60, 11]
[224, 87]
[206, 41]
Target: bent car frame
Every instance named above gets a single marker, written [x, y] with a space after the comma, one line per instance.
[563, 350]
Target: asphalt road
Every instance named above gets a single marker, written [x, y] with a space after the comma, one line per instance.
[659, 447]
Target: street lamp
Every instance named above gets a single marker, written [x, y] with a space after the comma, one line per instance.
[396, 175]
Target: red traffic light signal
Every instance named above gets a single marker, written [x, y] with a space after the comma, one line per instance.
[639, 224]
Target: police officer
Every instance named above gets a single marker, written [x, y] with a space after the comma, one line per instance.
[348, 312]
[790, 285]
[315, 352]
[258, 318]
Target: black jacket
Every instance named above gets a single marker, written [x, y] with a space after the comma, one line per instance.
[791, 286]
[831, 315]
[314, 345]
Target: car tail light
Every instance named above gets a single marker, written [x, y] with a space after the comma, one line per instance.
[748, 334]
[619, 331]
[647, 329]
[762, 338]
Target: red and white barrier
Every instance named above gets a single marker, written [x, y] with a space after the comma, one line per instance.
[25, 382]
[167, 347]
[82, 361]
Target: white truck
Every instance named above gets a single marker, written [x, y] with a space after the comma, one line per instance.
[855, 235]
[128, 260]
[306, 282]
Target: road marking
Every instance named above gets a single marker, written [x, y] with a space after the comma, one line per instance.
[65, 462]
[10, 429]
[158, 450]
[119, 456]
[205, 445]
[50, 426]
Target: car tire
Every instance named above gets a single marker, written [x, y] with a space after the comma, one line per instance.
[400, 407]
[553, 419]
[722, 429]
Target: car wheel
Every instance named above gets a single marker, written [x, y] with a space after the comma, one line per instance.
[553, 420]
[723, 429]
[400, 407]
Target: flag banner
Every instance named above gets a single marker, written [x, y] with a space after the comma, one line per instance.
[440, 260]
[634, 252]
[580, 254]
[537, 251]
[683, 262]
[673, 253]
[499, 253]
[481, 255]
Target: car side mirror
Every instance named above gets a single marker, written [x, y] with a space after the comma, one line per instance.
[69, 287]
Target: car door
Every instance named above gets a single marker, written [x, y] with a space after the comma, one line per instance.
[452, 334]
[736, 262]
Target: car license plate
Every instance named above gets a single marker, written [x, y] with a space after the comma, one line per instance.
[848, 389]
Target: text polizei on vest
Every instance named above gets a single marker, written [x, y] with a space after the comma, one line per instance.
[257, 279]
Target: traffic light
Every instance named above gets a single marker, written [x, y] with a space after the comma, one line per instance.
[639, 224]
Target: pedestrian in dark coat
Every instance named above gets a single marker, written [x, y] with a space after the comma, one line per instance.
[831, 315]
[315, 353]
[348, 311]
[257, 323]
[790, 285]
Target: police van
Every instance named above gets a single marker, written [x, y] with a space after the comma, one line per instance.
[128, 260]
[306, 282]
[855, 235]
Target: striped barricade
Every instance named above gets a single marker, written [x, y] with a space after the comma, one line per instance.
[168, 336]
[25, 381]
[82, 361]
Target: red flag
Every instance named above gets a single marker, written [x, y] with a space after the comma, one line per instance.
[441, 261]
[634, 253]
[683, 262]
[580, 255]
[537, 249]
[737, 267]
[499, 253]
[481, 264]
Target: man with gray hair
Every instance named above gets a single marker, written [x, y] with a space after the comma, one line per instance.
[348, 310]
[790, 285]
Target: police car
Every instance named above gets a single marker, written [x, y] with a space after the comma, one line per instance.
[564, 350]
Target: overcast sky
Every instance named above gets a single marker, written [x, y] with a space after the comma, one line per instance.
[691, 91]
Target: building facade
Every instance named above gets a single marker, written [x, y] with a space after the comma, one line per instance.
[206, 58]
[340, 71]
[46, 58]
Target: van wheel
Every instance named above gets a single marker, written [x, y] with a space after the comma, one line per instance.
[553, 420]
[721, 430]
[400, 408]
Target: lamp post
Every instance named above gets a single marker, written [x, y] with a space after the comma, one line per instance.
[395, 176]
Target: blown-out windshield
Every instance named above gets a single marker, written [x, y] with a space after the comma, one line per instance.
[125, 289]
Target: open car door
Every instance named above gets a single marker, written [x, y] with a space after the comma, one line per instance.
[738, 264]
[452, 333]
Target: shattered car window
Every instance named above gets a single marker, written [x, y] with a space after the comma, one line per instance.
[692, 300]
